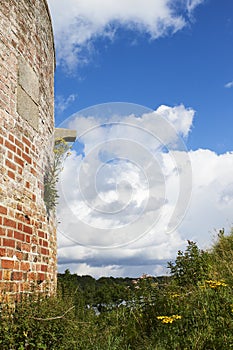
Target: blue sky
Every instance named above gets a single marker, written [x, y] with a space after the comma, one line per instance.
[175, 58]
[191, 67]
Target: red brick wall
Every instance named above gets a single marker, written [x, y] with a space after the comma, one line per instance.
[27, 236]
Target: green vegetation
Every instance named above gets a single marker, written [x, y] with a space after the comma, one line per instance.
[193, 309]
[52, 172]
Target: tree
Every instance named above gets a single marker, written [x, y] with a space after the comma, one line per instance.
[190, 266]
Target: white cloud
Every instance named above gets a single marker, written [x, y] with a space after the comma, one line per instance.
[62, 103]
[210, 209]
[118, 211]
[229, 85]
[212, 201]
[77, 23]
[117, 192]
[180, 117]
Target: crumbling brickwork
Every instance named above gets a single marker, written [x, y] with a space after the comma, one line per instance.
[27, 234]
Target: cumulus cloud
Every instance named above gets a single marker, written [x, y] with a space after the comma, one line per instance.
[209, 210]
[77, 23]
[118, 195]
[229, 85]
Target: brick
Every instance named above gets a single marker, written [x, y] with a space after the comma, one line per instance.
[20, 226]
[10, 165]
[27, 238]
[7, 275]
[11, 175]
[14, 289]
[2, 251]
[19, 161]
[27, 158]
[9, 223]
[16, 276]
[41, 276]
[45, 244]
[33, 172]
[19, 152]
[11, 138]
[10, 155]
[25, 266]
[3, 210]
[26, 247]
[19, 255]
[9, 242]
[10, 233]
[25, 140]
[10, 252]
[44, 251]
[18, 235]
[7, 264]
[10, 146]
[41, 234]
[22, 218]
[19, 207]
[27, 229]
[44, 268]
[31, 276]
[19, 144]
[25, 256]
[16, 265]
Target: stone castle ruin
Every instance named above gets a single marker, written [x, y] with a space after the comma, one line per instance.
[28, 260]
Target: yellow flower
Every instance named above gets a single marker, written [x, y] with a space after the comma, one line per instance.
[169, 319]
[175, 295]
[215, 284]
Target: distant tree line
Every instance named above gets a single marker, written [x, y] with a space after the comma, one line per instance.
[101, 293]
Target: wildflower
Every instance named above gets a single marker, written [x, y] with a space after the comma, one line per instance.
[215, 284]
[169, 319]
[175, 295]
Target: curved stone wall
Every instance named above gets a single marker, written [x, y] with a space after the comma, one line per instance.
[27, 234]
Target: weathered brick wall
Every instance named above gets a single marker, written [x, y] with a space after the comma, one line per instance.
[27, 236]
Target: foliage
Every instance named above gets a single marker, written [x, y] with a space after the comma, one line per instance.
[190, 266]
[52, 172]
[222, 253]
[146, 313]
